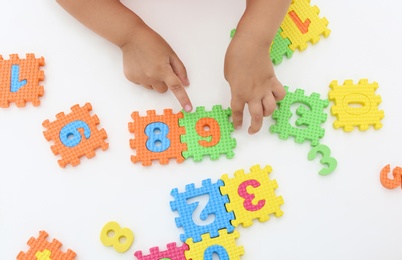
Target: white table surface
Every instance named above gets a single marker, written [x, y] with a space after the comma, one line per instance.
[346, 215]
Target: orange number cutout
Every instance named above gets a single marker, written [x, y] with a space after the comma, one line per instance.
[303, 26]
[208, 127]
[388, 183]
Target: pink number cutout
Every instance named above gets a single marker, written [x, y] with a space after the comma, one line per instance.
[248, 198]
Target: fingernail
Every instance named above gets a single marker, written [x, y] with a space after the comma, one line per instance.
[238, 127]
[187, 108]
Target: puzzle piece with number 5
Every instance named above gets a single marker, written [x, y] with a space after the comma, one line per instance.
[251, 196]
[20, 80]
[75, 135]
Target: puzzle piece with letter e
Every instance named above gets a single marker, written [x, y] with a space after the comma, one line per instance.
[20, 80]
[75, 135]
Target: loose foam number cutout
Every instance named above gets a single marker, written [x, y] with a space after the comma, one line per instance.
[391, 183]
[326, 158]
[119, 234]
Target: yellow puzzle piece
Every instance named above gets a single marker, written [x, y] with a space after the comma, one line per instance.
[251, 196]
[223, 245]
[302, 24]
[45, 255]
[355, 105]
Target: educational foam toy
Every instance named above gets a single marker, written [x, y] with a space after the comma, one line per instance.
[280, 48]
[355, 105]
[173, 252]
[308, 125]
[20, 80]
[75, 135]
[208, 133]
[391, 183]
[45, 255]
[223, 245]
[113, 235]
[40, 246]
[251, 196]
[302, 24]
[215, 206]
[156, 137]
[326, 158]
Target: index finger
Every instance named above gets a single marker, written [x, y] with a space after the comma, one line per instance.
[175, 85]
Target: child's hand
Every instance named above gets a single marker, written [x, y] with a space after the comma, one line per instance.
[149, 61]
[250, 73]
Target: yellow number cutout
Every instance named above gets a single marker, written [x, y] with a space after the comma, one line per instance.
[120, 238]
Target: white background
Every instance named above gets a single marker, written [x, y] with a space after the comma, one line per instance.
[346, 215]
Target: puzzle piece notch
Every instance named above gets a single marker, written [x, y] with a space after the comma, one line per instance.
[302, 24]
[224, 245]
[40, 244]
[355, 105]
[87, 146]
[138, 143]
[173, 252]
[280, 48]
[28, 89]
[311, 118]
[215, 206]
[194, 140]
[251, 196]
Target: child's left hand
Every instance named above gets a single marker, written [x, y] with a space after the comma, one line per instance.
[250, 74]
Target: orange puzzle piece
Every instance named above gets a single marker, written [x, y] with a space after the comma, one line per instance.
[42, 245]
[157, 137]
[75, 135]
[19, 80]
[391, 183]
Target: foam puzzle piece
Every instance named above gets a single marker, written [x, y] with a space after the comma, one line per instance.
[309, 121]
[121, 238]
[168, 131]
[20, 80]
[391, 183]
[326, 158]
[223, 245]
[45, 255]
[215, 207]
[67, 133]
[251, 195]
[302, 24]
[41, 244]
[173, 252]
[355, 105]
[208, 133]
[280, 48]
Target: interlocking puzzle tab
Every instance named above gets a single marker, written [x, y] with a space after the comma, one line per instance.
[208, 133]
[391, 183]
[309, 121]
[215, 207]
[156, 137]
[302, 24]
[20, 79]
[39, 247]
[173, 252]
[355, 105]
[280, 48]
[223, 245]
[251, 195]
[75, 135]
[113, 235]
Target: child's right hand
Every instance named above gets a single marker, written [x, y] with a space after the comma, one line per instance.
[149, 61]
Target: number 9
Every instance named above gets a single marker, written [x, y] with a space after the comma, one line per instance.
[209, 128]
